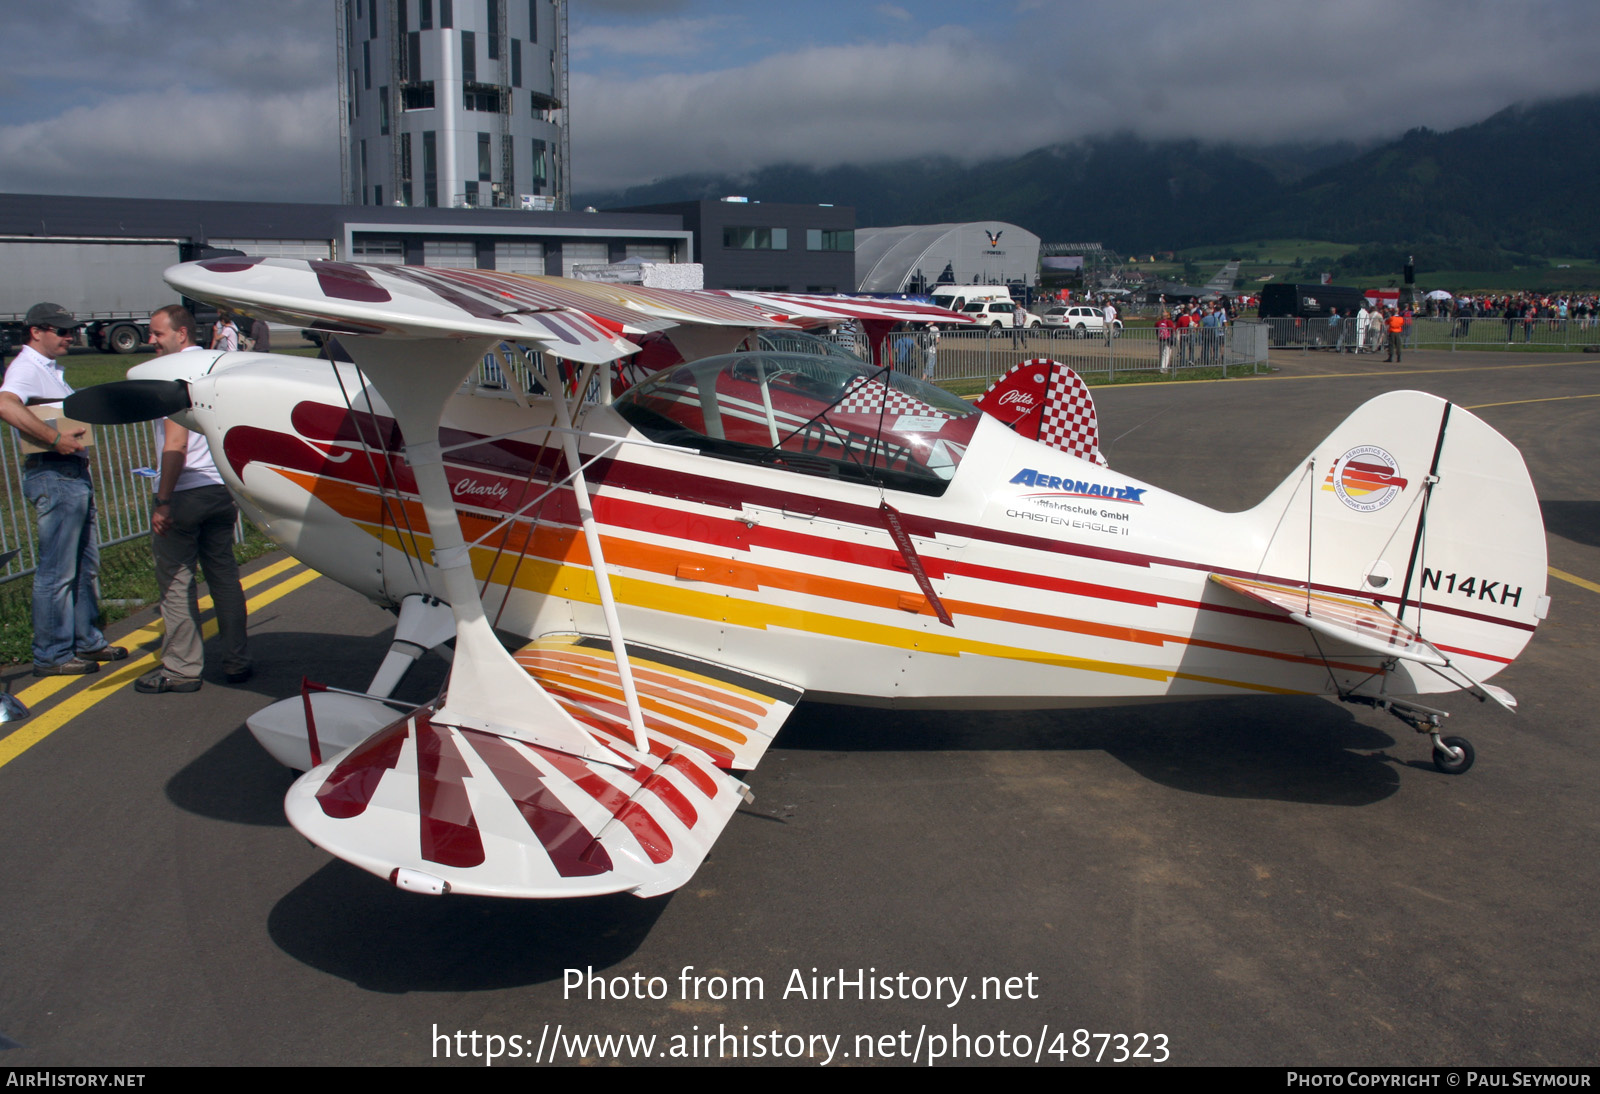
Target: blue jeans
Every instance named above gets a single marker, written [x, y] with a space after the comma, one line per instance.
[65, 604]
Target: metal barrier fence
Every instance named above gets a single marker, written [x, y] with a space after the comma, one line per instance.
[1447, 333]
[123, 469]
[986, 355]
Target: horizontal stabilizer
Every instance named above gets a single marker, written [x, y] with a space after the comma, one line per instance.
[443, 809]
[1358, 622]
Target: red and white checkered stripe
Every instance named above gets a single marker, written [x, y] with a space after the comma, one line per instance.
[1069, 418]
[871, 397]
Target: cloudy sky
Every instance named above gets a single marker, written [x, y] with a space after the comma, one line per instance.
[192, 98]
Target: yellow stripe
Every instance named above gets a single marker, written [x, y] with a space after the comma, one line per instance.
[41, 726]
[571, 582]
[1516, 402]
[49, 685]
[1575, 579]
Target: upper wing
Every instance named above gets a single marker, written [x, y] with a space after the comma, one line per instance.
[810, 309]
[394, 301]
[579, 320]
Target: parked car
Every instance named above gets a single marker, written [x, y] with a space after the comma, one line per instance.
[998, 313]
[1078, 320]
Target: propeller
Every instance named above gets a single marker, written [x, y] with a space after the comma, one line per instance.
[123, 401]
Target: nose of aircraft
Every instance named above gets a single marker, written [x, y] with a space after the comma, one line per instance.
[175, 366]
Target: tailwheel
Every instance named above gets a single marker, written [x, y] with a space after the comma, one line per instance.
[1452, 755]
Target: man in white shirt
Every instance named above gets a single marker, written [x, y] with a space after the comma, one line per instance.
[66, 636]
[191, 523]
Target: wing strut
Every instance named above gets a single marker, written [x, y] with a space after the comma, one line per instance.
[597, 558]
[488, 690]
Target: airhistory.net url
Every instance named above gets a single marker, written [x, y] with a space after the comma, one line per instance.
[905, 1046]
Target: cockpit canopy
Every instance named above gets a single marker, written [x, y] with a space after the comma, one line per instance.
[815, 415]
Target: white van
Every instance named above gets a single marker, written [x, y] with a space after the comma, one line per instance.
[957, 297]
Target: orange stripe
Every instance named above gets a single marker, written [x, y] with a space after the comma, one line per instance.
[752, 577]
[618, 713]
[717, 700]
[597, 689]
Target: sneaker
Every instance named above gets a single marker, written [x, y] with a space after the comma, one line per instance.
[239, 676]
[154, 683]
[104, 653]
[75, 667]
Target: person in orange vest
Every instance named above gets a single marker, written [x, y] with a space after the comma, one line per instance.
[1396, 324]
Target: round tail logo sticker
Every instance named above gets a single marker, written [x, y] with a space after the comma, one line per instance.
[1367, 478]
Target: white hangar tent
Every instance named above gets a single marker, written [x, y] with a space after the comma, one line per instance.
[981, 252]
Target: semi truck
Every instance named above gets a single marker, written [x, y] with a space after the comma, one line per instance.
[110, 285]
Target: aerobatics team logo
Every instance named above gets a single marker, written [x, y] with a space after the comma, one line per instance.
[1366, 478]
[994, 237]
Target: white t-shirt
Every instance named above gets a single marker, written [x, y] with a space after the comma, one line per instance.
[32, 375]
[199, 469]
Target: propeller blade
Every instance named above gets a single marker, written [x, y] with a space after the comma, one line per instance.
[123, 401]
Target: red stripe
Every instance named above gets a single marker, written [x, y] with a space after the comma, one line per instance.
[571, 847]
[449, 831]
[643, 826]
[348, 789]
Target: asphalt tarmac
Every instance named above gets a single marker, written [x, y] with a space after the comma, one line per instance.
[1254, 881]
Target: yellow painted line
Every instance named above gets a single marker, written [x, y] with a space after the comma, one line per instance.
[49, 685]
[1575, 579]
[41, 726]
[1516, 402]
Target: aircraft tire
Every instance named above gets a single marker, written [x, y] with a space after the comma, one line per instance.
[1450, 766]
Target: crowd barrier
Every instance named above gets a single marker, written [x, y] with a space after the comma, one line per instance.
[1435, 333]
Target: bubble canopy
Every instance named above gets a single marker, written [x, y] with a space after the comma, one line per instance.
[831, 416]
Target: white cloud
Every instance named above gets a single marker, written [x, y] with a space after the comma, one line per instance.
[179, 143]
[1254, 72]
[664, 38]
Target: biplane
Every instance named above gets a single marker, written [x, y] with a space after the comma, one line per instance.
[644, 524]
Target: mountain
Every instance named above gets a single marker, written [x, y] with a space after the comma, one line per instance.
[1517, 182]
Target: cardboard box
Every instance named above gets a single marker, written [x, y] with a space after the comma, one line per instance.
[55, 419]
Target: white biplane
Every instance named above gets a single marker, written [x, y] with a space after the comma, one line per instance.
[677, 554]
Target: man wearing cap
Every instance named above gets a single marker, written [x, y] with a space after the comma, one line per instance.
[66, 639]
[191, 523]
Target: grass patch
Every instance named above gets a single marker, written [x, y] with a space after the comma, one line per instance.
[967, 388]
[86, 368]
[127, 575]
[1501, 347]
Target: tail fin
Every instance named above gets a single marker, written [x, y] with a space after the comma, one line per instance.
[1045, 400]
[1419, 506]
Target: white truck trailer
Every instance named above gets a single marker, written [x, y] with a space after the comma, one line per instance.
[110, 285]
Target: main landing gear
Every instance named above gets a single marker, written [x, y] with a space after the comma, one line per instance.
[1451, 755]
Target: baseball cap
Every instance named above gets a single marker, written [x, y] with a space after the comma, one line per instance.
[49, 315]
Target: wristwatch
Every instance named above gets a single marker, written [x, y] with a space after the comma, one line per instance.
[157, 503]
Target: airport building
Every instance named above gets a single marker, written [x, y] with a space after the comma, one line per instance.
[916, 257]
[768, 246]
[452, 103]
[60, 227]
